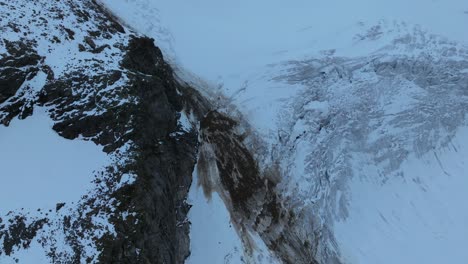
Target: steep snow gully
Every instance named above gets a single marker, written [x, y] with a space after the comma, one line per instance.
[344, 144]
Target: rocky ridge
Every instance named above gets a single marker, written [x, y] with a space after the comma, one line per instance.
[101, 82]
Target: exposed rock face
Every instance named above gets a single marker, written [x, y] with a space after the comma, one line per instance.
[227, 166]
[163, 159]
[18, 66]
[20, 233]
[132, 109]
[22, 63]
[164, 162]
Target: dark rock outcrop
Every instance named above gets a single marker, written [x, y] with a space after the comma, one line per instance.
[163, 154]
[20, 65]
[164, 162]
[132, 111]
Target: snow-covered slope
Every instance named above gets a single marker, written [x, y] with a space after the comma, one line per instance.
[376, 147]
[420, 213]
[325, 132]
[219, 39]
[363, 104]
[33, 153]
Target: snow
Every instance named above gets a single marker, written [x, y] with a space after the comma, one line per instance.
[143, 17]
[34, 254]
[238, 46]
[184, 122]
[222, 38]
[419, 217]
[212, 235]
[230, 42]
[40, 168]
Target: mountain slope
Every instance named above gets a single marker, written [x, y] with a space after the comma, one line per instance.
[360, 113]
[97, 81]
[337, 142]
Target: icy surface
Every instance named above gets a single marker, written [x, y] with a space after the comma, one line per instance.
[421, 215]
